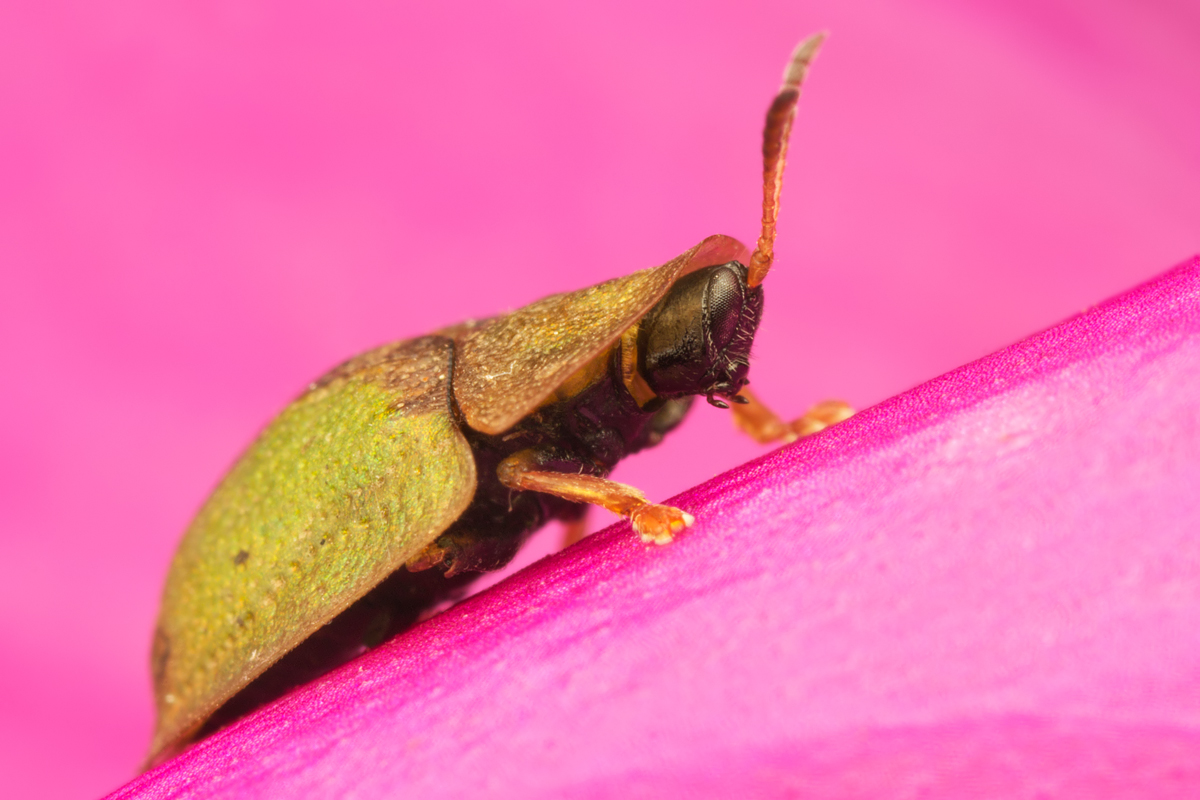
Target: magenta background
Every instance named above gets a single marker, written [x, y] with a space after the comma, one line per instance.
[986, 587]
[204, 206]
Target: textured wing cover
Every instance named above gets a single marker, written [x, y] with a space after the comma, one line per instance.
[350, 481]
[509, 364]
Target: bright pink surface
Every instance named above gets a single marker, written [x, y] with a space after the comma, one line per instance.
[988, 586]
[202, 206]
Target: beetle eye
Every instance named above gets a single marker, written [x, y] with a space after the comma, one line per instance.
[696, 340]
[723, 309]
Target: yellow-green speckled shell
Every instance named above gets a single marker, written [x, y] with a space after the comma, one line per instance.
[347, 483]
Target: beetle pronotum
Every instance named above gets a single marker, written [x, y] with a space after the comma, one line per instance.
[392, 478]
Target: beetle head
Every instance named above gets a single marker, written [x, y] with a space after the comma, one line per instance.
[697, 339]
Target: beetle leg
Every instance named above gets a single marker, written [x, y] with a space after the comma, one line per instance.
[654, 523]
[765, 426]
[575, 530]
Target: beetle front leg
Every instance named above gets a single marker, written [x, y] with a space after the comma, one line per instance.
[654, 523]
[765, 426]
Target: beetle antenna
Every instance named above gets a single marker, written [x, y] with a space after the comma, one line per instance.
[775, 142]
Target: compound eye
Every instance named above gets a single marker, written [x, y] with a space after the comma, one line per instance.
[723, 299]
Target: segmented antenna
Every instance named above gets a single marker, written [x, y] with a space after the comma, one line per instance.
[775, 142]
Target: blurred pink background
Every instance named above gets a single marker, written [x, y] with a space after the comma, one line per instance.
[204, 207]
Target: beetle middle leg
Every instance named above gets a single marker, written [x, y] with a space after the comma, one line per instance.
[654, 523]
[765, 426]
[575, 530]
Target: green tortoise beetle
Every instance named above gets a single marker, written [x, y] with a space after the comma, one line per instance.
[398, 474]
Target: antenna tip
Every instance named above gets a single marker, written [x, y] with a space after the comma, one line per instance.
[802, 56]
[775, 140]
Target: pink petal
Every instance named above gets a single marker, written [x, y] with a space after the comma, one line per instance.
[987, 586]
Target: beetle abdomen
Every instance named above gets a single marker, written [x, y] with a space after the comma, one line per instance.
[348, 482]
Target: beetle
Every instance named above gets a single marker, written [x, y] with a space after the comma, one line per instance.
[400, 474]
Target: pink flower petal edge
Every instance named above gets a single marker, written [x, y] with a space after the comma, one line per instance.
[987, 586]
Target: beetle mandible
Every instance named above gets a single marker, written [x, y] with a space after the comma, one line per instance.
[392, 478]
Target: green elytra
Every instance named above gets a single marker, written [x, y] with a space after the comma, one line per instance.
[338, 491]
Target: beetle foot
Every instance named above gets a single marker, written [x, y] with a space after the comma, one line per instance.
[462, 549]
[431, 556]
[765, 426]
[659, 524]
[820, 417]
